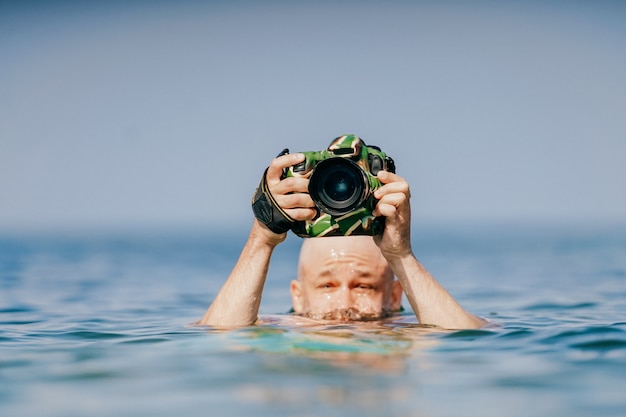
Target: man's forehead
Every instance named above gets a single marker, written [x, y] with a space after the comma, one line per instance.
[338, 245]
[356, 265]
[322, 254]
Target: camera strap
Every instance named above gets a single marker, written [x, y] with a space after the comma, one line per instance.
[267, 211]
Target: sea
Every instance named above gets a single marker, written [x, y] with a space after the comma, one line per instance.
[103, 324]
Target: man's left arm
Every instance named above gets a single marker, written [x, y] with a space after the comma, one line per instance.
[430, 302]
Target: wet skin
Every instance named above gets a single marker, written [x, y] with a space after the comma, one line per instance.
[344, 278]
[339, 278]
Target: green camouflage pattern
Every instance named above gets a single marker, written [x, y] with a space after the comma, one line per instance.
[360, 221]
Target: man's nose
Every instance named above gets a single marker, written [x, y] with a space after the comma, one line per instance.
[344, 299]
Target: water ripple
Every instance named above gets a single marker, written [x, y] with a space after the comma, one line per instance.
[589, 338]
[560, 306]
[470, 334]
[601, 345]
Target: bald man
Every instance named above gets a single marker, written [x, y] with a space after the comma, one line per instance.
[339, 278]
[344, 278]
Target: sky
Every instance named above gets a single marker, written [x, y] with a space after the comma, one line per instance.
[165, 114]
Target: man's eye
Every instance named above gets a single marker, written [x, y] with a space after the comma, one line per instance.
[364, 287]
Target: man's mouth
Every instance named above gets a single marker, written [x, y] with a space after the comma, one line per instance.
[349, 314]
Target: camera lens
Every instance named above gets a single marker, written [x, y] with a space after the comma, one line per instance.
[338, 186]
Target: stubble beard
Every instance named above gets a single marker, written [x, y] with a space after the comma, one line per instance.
[348, 314]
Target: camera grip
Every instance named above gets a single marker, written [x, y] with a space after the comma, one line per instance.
[267, 211]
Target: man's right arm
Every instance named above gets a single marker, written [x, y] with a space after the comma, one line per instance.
[238, 301]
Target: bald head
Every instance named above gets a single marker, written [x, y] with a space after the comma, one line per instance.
[316, 251]
[345, 278]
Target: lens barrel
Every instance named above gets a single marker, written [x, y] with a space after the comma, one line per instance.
[338, 186]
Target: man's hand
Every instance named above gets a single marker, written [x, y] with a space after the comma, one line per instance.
[394, 204]
[291, 194]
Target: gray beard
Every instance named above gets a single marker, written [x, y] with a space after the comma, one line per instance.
[349, 314]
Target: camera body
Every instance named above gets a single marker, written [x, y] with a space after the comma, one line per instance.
[342, 180]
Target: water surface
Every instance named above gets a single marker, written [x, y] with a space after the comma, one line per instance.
[102, 324]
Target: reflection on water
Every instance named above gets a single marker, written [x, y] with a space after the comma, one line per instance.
[359, 346]
[311, 367]
[101, 326]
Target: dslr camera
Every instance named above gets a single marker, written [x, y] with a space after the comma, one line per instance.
[342, 180]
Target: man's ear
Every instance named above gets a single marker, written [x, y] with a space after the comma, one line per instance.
[296, 297]
[395, 299]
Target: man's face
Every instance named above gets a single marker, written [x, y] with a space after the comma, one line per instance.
[344, 278]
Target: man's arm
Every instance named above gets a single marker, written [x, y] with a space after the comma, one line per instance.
[238, 301]
[430, 302]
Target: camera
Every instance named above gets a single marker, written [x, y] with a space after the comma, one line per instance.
[342, 180]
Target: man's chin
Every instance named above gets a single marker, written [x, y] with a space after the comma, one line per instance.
[350, 314]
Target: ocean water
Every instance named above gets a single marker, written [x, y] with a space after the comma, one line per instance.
[101, 324]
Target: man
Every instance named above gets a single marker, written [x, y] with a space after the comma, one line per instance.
[339, 278]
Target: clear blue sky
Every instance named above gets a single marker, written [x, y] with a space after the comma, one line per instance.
[166, 113]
